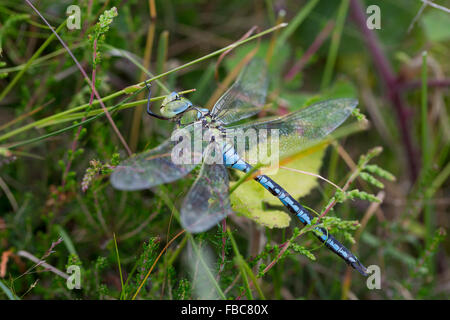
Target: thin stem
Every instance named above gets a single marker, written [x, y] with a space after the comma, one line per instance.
[118, 262]
[317, 43]
[30, 61]
[335, 41]
[416, 84]
[118, 106]
[245, 269]
[428, 214]
[424, 115]
[297, 21]
[83, 72]
[137, 115]
[141, 84]
[313, 175]
[215, 53]
[154, 263]
[91, 99]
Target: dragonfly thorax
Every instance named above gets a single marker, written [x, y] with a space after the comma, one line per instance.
[178, 108]
[174, 105]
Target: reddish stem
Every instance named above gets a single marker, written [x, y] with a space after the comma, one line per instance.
[320, 39]
[390, 83]
[91, 99]
[437, 83]
[111, 121]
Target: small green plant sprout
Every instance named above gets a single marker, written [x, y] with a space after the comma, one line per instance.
[97, 37]
[96, 169]
[279, 252]
[366, 172]
[358, 115]
[138, 277]
[422, 264]
[2, 64]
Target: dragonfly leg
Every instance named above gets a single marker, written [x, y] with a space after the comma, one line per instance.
[149, 95]
[149, 111]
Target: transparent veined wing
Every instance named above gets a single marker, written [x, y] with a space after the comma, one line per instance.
[207, 201]
[246, 96]
[156, 166]
[298, 129]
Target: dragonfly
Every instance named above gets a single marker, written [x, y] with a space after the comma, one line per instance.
[207, 202]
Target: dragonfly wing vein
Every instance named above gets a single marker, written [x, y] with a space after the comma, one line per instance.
[300, 129]
[151, 168]
[246, 96]
[207, 201]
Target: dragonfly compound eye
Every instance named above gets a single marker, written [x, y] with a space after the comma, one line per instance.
[173, 96]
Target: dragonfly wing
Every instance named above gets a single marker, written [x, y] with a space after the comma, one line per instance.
[304, 126]
[246, 96]
[151, 168]
[207, 201]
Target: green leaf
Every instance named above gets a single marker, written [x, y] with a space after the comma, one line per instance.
[373, 168]
[340, 89]
[247, 201]
[436, 24]
[248, 197]
[371, 179]
[8, 292]
[297, 184]
[302, 250]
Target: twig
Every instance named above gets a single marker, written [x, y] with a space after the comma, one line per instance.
[40, 262]
[9, 195]
[419, 13]
[232, 284]
[270, 265]
[350, 180]
[434, 5]
[416, 84]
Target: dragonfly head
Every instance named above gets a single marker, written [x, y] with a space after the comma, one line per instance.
[174, 105]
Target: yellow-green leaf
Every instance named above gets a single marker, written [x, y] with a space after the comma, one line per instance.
[297, 184]
[249, 196]
[246, 200]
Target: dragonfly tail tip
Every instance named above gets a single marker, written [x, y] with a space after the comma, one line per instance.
[360, 268]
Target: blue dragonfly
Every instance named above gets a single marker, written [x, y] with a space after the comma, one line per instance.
[207, 202]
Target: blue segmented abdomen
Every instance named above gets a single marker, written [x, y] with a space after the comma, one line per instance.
[233, 160]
